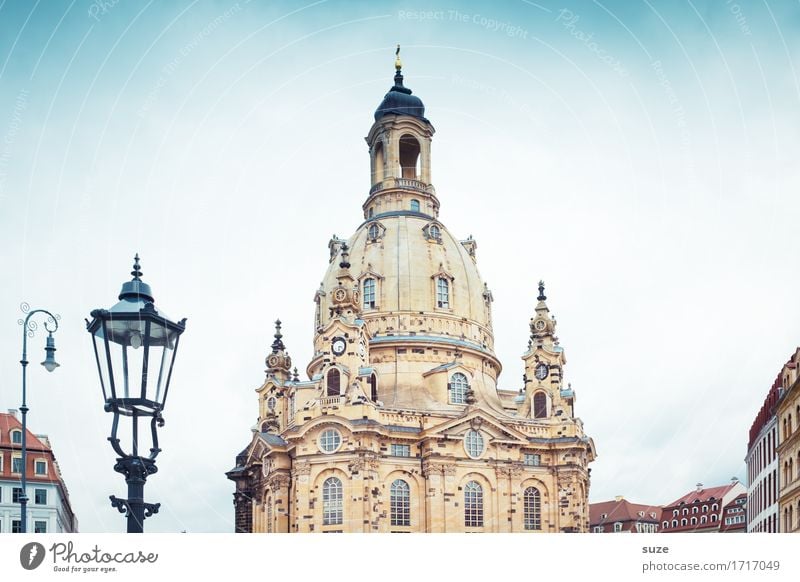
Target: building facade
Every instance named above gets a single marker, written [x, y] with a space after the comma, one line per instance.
[789, 446]
[400, 425]
[762, 466]
[49, 509]
[702, 510]
[622, 516]
[734, 515]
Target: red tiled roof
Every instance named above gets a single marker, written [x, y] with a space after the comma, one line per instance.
[703, 495]
[622, 510]
[8, 422]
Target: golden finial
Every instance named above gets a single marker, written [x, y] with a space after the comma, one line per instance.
[397, 63]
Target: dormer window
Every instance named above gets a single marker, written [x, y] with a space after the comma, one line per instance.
[443, 293]
[458, 388]
[369, 293]
[16, 437]
[435, 231]
[415, 206]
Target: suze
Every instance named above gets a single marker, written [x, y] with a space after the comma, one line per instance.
[655, 550]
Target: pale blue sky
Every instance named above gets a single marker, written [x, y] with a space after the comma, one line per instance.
[641, 157]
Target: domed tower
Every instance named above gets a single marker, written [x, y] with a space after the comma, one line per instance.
[400, 425]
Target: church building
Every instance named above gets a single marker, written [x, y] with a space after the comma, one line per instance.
[400, 425]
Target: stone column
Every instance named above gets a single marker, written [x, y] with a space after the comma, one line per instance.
[434, 497]
[279, 484]
[302, 513]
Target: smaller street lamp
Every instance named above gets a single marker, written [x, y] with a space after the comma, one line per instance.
[135, 346]
[29, 327]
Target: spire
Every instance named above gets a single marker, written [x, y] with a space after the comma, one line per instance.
[345, 264]
[398, 67]
[278, 362]
[277, 345]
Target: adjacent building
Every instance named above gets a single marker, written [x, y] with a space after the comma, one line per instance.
[49, 509]
[734, 515]
[762, 466]
[788, 418]
[399, 424]
[620, 515]
[702, 510]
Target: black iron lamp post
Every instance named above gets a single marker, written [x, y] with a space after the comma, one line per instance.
[135, 346]
[29, 327]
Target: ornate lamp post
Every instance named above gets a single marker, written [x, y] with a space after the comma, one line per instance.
[29, 327]
[135, 346]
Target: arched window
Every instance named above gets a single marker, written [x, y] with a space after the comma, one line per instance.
[539, 405]
[675, 513]
[532, 509]
[373, 387]
[378, 163]
[714, 507]
[374, 231]
[674, 523]
[442, 292]
[369, 293]
[684, 521]
[665, 524]
[473, 505]
[703, 518]
[332, 501]
[694, 509]
[786, 526]
[415, 206]
[435, 232]
[713, 517]
[333, 382]
[409, 157]
[694, 521]
[458, 388]
[400, 503]
[705, 509]
[685, 511]
[16, 437]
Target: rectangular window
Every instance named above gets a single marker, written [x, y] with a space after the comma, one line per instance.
[442, 292]
[617, 527]
[16, 465]
[16, 437]
[39, 527]
[598, 529]
[532, 460]
[40, 467]
[16, 526]
[401, 450]
[40, 496]
[16, 493]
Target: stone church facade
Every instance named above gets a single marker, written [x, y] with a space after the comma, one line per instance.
[400, 426]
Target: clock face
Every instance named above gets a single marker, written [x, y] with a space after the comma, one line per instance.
[338, 346]
[539, 325]
[542, 371]
[339, 295]
[273, 361]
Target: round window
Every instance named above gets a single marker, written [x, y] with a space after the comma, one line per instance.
[473, 444]
[271, 402]
[330, 440]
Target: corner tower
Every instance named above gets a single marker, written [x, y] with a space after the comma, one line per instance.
[400, 425]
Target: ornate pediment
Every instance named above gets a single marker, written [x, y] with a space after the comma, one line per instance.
[477, 419]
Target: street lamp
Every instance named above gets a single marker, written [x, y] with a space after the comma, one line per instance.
[135, 346]
[29, 328]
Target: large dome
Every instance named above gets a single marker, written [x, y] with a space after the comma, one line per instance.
[406, 258]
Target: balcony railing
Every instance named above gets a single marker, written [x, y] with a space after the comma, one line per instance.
[328, 401]
[405, 183]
